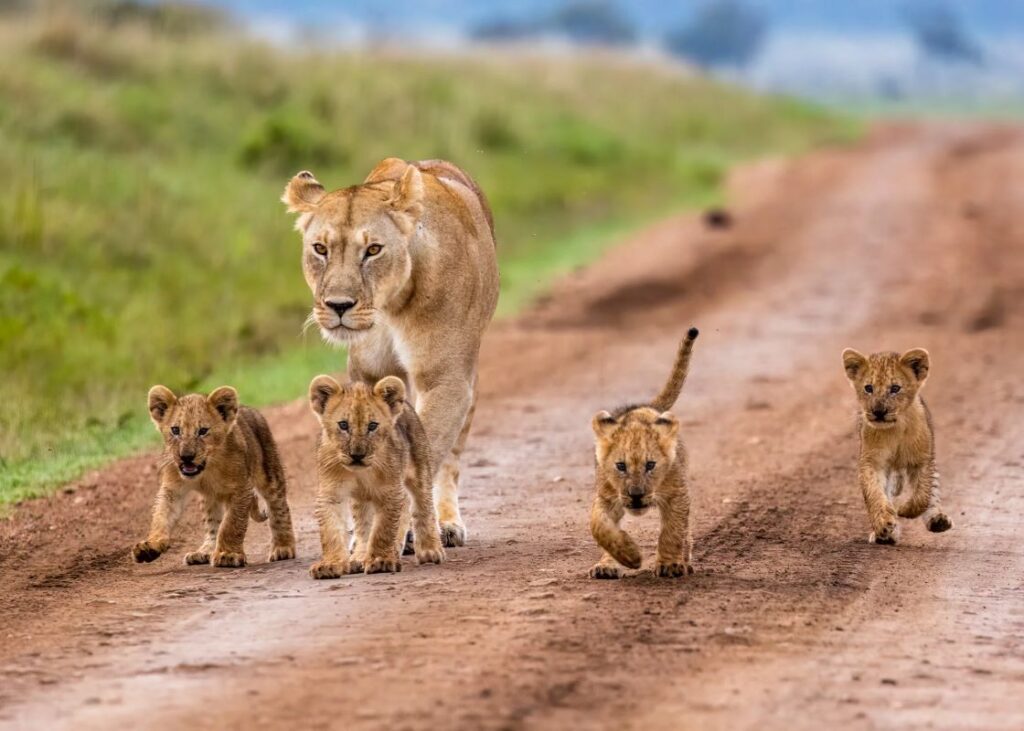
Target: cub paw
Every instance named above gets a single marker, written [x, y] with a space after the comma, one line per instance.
[197, 557]
[328, 570]
[453, 535]
[145, 552]
[672, 569]
[355, 566]
[281, 553]
[408, 548]
[383, 565]
[228, 559]
[429, 555]
[605, 571]
[939, 523]
[887, 535]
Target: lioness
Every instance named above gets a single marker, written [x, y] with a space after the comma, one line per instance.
[403, 269]
[897, 443]
[223, 451]
[641, 461]
[370, 440]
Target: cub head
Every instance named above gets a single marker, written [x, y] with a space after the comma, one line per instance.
[355, 247]
[885, 383]
[357, 421]
[634, 452]
[194, 427]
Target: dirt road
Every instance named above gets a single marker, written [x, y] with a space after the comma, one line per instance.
[913, 238]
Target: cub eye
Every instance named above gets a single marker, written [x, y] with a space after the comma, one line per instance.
[372, 426]
[203, 431]
[894, 388]
[343, 425]
[320, 249]
[620, 466]
[869, 388]
[650, 466]
[373, 250]
[176, 431]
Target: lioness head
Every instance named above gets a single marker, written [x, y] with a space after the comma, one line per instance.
[194, 427]
[356, 420]
[355, 247]
[885, 383]
[634, 451]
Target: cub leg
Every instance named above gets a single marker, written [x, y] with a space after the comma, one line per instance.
[230, 551]
[214, 511]
[281, 535]
[170, 501]
[924, 500]
[881, 513]
[362, 514]
[383, 548]
[675, 546]
[331, 499]
[426, 533]
[605, 516]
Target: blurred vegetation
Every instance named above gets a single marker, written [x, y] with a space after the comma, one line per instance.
[141, 237]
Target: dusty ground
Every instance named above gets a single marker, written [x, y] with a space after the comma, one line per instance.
[914, 238]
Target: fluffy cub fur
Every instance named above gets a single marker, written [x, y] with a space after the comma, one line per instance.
[897, 443]
[641, 461]
[370, 442]
[223, 451]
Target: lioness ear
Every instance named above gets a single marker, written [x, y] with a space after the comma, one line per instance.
[853, 362]
[603, 423]
[667, 424]
[322, 388]
[917, 360]
[407, 201]
[392, 391]
[224, 401]
[303, 193]
[161, 399]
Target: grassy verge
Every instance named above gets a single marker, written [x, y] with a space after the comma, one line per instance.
[141, 240]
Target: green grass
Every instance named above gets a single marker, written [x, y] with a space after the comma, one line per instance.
[141, 237]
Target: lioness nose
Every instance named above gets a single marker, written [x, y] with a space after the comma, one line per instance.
[340, 306]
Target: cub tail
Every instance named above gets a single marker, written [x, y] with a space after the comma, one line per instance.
[670, 393]
[256, 511]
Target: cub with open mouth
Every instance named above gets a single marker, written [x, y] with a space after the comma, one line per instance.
[226, 453]
[641, 463]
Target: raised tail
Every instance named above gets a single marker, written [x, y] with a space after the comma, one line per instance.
[667, 398]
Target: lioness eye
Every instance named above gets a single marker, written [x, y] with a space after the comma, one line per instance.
[620, 466]
[894, 388]
[176, 431]
[343, 425]
[869, 388]
[373, 250]
[372, 426]
[320, 249]
[203, 431]
[650, 466]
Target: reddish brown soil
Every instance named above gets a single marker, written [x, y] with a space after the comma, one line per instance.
[914, 238]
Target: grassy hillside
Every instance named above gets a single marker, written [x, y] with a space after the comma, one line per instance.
[141, 238]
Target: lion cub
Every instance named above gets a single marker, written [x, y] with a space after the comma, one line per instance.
[897, 444]
[224, 451]
[370, 441]
[641, 461]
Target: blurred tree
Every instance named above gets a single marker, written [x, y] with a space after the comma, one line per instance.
[940, 32]
[721, 33]
[598, 22]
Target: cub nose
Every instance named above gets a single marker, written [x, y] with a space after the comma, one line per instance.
[357, 457]
[635, 491]
[340, 306]
[879, 414]
[187, 458]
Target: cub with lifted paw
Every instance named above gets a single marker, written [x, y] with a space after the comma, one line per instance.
[641, 462]
[371, 442]
[897, 443]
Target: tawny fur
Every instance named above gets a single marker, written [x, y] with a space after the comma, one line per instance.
[897, 441]
[412, 250]
[232, 453]
[371, 443]
[642, 462]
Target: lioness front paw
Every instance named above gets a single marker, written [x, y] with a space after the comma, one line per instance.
[197, 557]
[605, 571]
[672, 569]
[383, 565]
[145, 552]
[453, 535]
[281, 553]
[329, 570]
[888, 534]
[228, 559]
[939, 523]
[430, 555]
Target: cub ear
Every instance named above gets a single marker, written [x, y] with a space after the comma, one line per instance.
[321, 389]
[161, 399]
[667, 424]
[407, 201]
[392, 390]
[303, 193]
[853, 363]
[224, 401]
[603, 423]
[917, 360]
